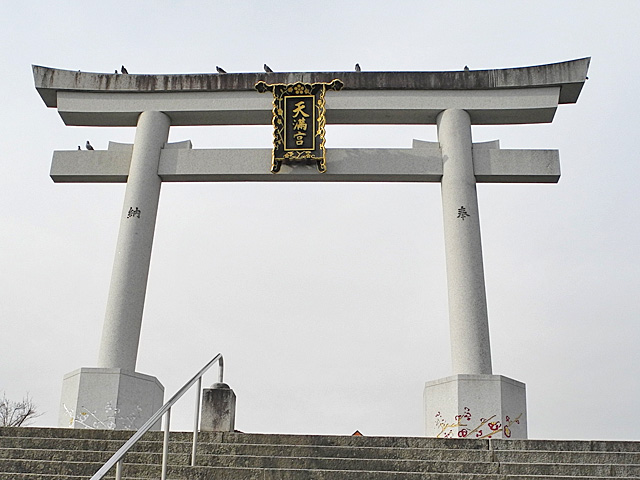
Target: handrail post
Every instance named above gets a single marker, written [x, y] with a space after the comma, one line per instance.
[165, 444]
[119, 470]
[220, 369]
[196, 421]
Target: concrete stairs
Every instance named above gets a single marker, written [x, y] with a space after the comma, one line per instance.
[55, 454]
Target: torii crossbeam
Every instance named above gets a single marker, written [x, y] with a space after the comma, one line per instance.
[454, 101]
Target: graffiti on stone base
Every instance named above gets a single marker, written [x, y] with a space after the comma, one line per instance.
[107, 421]
[464, 426]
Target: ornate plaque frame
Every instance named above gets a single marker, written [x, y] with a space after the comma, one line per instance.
[298, 122]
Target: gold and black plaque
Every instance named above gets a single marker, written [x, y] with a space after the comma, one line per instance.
[298, 122]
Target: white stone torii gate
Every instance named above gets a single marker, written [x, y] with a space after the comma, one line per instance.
[472, 402]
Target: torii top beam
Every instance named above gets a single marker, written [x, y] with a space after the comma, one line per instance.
[491, 97]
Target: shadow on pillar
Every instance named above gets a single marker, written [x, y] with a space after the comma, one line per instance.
[218, 409]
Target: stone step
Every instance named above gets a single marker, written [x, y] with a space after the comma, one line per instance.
[217, 473]
[48, 476]
[90, 456]
[577, 470]
[73, 446]
[512, 456]
[538, 456]
[382, 453]
[566, 445]
[324, 463]
[45, 476]
[420, 466]
[332, 440]
[79, 467]
[203, 473]
[52, 432]
[222, 475]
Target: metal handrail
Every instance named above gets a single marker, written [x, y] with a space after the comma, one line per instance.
[116, 459]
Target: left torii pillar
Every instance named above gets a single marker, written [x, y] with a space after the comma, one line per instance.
[114, 395]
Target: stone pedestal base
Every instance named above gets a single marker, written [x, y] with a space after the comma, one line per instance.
[475, 406]
[109, 398]
[218, 409]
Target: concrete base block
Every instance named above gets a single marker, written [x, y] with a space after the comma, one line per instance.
[218, 409]
[109, 399]
[475, 406]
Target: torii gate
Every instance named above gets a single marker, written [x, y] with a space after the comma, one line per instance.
[472, 402]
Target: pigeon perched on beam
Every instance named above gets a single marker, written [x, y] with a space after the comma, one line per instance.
[358, 69]
[220, 70]
[267, 69]
[89, 146]
[466, 68]
[124, 70]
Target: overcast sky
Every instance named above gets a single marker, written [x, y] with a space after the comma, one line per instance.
[328, 301]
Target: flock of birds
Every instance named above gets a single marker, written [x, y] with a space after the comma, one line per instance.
[267, 69]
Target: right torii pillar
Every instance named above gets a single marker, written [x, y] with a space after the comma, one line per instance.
[472, 402]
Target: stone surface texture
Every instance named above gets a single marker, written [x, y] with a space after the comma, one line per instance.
[125, 304]
[468, 320]
[218, 409]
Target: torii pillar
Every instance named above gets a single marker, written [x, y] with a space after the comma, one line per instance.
[472, 402]
[114, 395]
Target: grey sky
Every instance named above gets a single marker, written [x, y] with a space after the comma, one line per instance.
[329, 301]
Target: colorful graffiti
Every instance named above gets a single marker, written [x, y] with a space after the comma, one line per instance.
[465, 427]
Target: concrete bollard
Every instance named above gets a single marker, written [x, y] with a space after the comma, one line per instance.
[218, 412]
